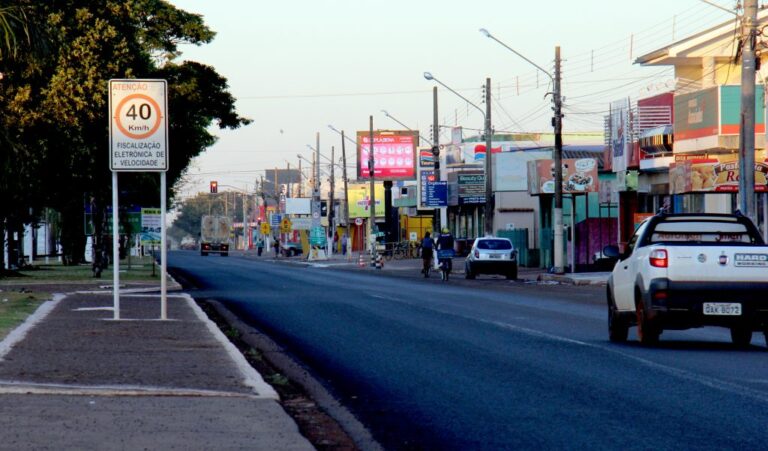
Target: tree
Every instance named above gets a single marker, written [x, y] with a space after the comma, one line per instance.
[55, 107]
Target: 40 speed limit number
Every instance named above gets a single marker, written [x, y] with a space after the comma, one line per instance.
[138, 126]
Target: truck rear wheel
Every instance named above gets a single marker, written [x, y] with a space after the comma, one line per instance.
[618, 329]
[647, 332]
[741, 336]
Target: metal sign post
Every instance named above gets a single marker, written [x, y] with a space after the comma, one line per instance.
[138, 142]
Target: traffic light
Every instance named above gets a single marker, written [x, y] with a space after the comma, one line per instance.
[214, 187]
[323, 208]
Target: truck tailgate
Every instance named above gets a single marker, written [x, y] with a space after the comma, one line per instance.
[717, 263]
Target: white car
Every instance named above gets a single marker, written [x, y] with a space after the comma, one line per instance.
[681, 271]
[491, 255]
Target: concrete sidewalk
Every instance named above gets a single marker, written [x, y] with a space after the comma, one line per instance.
[352, 261]
[72, 377]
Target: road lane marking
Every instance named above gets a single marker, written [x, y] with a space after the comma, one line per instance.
[707, 381]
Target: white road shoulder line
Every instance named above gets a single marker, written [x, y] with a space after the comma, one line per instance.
[20, 332]
[252, 378]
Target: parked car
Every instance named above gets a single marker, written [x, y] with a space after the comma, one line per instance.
[290, 249]
[681, 271]
[491, 255]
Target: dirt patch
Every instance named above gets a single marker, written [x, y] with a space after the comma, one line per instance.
[315, 424]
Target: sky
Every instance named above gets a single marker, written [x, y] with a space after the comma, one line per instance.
[298, 66]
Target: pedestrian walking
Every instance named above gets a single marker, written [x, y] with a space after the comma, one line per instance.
[259, 246]
[277, 246]
[344, 240]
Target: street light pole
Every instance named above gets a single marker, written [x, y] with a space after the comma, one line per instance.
[557, 122]
[346, 190]
[346, 179]
[372, 196]
[489, 200]
[405, 126]
[436, 154]
[488, 223]
[331, 214]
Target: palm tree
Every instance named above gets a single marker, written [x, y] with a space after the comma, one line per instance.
[13, 24]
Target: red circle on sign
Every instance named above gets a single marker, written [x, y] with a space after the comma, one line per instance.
[119, 123]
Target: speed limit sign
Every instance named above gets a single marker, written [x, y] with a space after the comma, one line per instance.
[138, 125]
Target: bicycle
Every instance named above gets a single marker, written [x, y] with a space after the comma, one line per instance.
[401, 250]
[445, 263]
[390, 251]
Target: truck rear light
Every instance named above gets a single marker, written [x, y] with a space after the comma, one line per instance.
[660, 295]
[658, 258]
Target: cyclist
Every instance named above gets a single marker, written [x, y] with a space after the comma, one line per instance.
[427, 245]
[445, 252]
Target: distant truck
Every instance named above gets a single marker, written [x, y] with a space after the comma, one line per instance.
[214, 235]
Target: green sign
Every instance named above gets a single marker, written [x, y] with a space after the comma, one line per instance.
[131, 219]
[317, 236]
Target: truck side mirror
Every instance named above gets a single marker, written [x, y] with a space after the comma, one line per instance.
[612, 251]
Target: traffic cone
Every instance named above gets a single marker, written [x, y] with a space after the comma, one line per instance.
[361, 261]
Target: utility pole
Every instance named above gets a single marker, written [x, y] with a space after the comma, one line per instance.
[245, 220]
[489, 204]
[372, 196]
[436, 153]
[290, 179]
[300, 181]
[346, 191]
[331, 215]
[558, 157]
[747, 141]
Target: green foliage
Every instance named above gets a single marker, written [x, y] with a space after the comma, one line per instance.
[15, 307]
[53, 102]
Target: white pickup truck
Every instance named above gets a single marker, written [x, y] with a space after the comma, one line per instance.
[681, 271]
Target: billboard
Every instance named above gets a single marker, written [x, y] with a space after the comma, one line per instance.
[298, 205]
[471, 188]
[426, 157]
[394, 155]
[719, 174]
[425, 176]
[510, 169]
[579, 176]
[621, 137]
[359, 200]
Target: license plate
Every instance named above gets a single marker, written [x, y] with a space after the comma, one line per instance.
[721, 308]
[495, 256]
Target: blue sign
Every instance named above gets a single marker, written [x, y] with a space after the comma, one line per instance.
[437, 194]
[274, 220]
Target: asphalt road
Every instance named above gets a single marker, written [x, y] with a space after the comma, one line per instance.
[492, 364]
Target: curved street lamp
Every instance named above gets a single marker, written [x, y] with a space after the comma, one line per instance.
[558, 154]
[406, 127]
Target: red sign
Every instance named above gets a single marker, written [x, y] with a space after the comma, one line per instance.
[394, 155]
